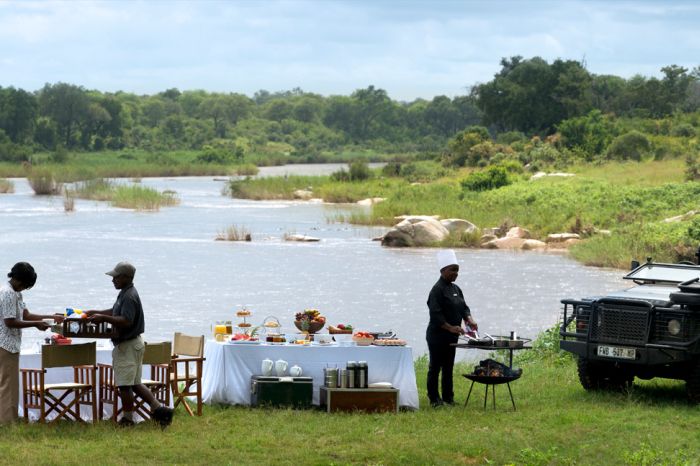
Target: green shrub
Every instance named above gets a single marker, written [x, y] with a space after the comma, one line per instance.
[629, 146]
[493, 177]
[694, 229]
[683, 130]
[359, 170]
[423, 171]
[391, 169]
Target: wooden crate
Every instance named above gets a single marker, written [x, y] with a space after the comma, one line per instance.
[369, 400]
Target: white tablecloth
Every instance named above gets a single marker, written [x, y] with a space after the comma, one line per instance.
[229, 367]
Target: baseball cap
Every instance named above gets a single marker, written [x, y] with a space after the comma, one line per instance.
[123, 268]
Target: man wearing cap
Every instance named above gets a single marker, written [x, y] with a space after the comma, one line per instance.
[126, 316]
[447, 311]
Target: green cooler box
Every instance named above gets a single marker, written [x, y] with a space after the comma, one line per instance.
[294, 392]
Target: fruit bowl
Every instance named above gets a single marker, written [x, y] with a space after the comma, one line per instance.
[362, 339]
[309, 326]
[334, 330]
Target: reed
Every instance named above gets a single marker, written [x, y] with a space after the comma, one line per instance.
[98, 189]
[44, 183]
[68, 201]
[234, 233]
[6, 186]
[143, 198]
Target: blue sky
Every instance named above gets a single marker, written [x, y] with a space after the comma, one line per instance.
[409, 48]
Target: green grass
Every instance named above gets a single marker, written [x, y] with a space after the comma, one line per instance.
[124, 164]
[556, 422]
[629, 199]
[142, 198]
[125, 196]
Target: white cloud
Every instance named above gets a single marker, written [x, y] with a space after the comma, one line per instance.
[410, 48]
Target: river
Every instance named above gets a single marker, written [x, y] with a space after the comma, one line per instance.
[187, 280]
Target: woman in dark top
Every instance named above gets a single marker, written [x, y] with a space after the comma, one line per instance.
[447, 311]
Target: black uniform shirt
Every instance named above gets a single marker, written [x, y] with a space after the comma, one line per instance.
[446, 305]
[128, 305]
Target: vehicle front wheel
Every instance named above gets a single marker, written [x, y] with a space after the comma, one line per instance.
[601, 376]
[692, 384]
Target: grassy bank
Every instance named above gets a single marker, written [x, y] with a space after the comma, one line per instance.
[124, 196]
[557, 422]
[125, 164]
[631, 200]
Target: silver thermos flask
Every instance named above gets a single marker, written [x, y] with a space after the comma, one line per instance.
[343, 378]
[352, 372]
[362, 380]
[331, 377]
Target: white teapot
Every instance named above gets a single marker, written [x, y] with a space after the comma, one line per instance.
[280, 367]
[295, 371]
[267, 366]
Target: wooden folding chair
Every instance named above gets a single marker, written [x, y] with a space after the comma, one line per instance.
[186, 376]
[156, 355]
[65, 398]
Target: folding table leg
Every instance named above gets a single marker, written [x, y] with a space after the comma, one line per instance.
[486, 395]
[469, 394]
[511, 396]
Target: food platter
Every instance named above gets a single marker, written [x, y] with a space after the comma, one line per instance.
[244, 342]
[389, 342]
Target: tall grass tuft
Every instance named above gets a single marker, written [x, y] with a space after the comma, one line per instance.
[234, 233]
[98, 189]
[43, 182]
[143, 198]
[68, 201]
[6, 186]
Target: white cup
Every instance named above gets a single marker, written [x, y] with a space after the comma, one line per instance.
[295, 371]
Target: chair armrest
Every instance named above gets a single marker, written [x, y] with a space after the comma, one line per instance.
[177, 359]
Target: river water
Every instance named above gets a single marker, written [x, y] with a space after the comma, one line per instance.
[187, 280]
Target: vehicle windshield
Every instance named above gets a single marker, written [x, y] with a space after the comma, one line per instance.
[666, 273]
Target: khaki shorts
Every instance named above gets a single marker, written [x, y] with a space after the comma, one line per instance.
[127, 359]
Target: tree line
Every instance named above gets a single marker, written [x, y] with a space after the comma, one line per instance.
[528, 96]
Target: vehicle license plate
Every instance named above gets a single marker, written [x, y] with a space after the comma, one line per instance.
[617, 352]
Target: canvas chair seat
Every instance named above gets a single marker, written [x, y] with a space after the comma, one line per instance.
[62, 386]
[64, 399]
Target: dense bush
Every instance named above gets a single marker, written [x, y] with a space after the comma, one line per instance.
[629, 146]
[684, 130]
[493, 177]
[423, 171]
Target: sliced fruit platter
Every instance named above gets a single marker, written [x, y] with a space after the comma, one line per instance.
[244, 338]
[389, 342]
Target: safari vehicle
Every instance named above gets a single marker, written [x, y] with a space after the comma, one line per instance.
[649, 330]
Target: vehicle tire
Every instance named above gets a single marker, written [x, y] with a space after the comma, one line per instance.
[600, 376]
[692, 384]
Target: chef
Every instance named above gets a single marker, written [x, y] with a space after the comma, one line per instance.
[447, 310]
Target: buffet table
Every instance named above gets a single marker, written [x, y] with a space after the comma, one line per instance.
[229, 367]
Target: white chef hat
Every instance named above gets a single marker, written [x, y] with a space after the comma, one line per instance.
[446, 257]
